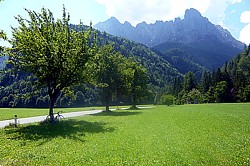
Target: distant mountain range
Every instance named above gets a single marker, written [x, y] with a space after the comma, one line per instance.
[206, 44]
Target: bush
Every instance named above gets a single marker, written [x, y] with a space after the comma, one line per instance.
[167, 99]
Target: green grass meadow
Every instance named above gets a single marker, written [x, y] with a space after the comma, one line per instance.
[208, 134]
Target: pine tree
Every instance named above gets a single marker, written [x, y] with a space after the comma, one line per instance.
[205, 81]
[190, 81]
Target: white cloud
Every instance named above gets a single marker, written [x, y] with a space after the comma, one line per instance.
[151, 10]
[234, 1]
[245, 32]
[216, 11]
[136, 11]
[245, 17]
[245, 35]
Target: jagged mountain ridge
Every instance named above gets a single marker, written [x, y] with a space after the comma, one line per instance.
[194, 30]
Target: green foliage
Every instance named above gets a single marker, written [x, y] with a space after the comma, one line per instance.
[55, 54]
[207, 134]
[118, 77]
[194, 96]
[205, 81]
[107, 69]
[208, 53]
[137, 79]
[159, 71]
[246, 94]
[182, 61]
[190, 81]
[220, 92]
[227, 84]
[167, 99]
[209, 96]
[21, 90]
[177, 86]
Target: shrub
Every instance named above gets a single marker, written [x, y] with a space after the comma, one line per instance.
[167, 99]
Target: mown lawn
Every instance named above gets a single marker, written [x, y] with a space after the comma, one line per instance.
[209, 134]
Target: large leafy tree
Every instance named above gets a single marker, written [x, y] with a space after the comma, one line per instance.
[137, 81]
[108, 73]
[54, 53]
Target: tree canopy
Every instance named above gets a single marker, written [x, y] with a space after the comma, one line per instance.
[53, 52]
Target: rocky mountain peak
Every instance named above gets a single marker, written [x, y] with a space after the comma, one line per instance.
[142, 25]
[113, 20]
[193, 28]
[192, 14]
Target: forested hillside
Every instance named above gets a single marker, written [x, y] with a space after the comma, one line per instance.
[231, 83]
[181, 60]
[17, 88]
[209, 52]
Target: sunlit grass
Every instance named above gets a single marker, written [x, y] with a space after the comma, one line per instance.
[211, 134]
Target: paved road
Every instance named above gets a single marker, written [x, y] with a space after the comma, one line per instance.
[41, 118]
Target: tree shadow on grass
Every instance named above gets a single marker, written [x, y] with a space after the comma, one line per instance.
[117, 113]
[70, 128]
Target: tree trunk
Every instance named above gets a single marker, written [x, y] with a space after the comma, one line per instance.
[133, 99]
[52, 95]
[107, 103]
[51, 107]
[105, 93]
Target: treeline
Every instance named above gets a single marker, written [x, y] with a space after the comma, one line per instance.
[18, 89]
[231, 83]
[112, 80]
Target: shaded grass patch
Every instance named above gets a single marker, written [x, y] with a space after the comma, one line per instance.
[65, 129]
[117, 113]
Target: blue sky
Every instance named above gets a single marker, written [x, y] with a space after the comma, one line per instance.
[233, 15]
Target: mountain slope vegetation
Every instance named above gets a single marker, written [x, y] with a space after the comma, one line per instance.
[18, 90]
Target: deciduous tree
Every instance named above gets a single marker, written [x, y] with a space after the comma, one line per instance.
[138, 81]
[108, 74]
[55, 54]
